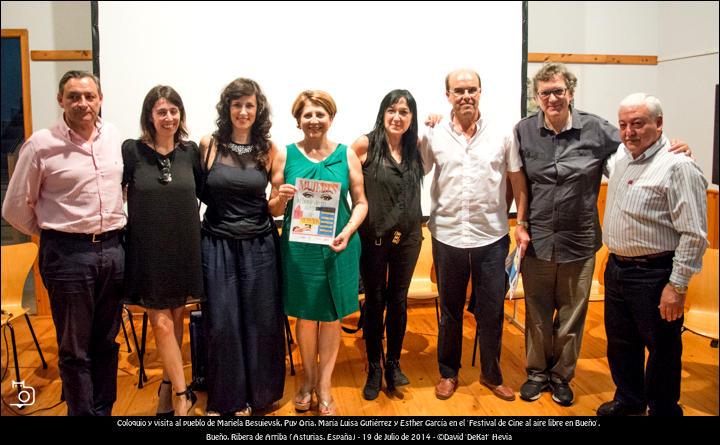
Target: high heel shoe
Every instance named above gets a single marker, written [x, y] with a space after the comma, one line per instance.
[303, 400]
[166, 413]
[189, 395]
[326, 407]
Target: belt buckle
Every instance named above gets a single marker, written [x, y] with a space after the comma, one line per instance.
[94, 239]
[396, 237]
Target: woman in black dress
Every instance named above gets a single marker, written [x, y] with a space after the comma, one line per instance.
[244, 321]
[163, 266]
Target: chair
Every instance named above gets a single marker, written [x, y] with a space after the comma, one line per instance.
[701, 303]
[17, 260]
[597, 291]
[424, 281]
[139, 346]
[290, 341]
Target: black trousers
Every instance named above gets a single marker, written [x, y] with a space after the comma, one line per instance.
[454, 266]
[633, 323]
[387, 270]
[85, 282]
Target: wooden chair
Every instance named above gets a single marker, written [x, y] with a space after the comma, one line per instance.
[701, 304]
[597, 292]
[17, 260]
[424, 283]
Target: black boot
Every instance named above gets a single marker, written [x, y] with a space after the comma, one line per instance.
[394, 376]
[374, 381]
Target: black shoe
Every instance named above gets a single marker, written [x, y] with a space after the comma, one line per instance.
[394, 376]
[374, 381]
[189, 395]
[170, 413]
[618, 408]
[531, 390]
[562, 394]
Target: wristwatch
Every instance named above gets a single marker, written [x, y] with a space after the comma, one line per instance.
[523, 223]
[682, 290]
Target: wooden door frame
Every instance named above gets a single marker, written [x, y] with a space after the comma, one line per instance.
[41, 296]
[22, 34]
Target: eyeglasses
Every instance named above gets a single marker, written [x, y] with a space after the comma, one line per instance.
[557, 92]
[462, 91]
[165, 173]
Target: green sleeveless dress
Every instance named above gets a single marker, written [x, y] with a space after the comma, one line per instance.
[319, 284]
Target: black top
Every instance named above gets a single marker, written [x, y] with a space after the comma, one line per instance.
[393, 199]
[564, 173]
[163, 268]
[235, 196]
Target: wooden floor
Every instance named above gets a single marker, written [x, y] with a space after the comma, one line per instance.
[592, 384]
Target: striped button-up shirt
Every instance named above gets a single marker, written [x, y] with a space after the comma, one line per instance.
[63, 182]
[657, 203]
[468, 190]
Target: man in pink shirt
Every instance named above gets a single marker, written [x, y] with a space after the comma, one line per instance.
[66, 189]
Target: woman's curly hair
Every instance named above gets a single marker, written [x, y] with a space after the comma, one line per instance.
[260, 132]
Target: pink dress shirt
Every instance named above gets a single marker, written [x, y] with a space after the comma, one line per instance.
[63, 182]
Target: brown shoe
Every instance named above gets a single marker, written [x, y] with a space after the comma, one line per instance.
[500, 391]
[445, 388]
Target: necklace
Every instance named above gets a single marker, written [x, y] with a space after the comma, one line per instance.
[240, 149]
[164, 164]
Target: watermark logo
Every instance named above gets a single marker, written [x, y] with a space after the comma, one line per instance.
[26, 394]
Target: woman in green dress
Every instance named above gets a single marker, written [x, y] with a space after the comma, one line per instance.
[320, 282]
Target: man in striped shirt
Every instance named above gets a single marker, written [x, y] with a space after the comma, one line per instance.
[655, 228]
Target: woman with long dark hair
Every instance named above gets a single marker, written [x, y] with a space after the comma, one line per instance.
[244, 314]
[391, 234]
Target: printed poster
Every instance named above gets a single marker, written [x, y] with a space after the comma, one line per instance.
[314, 213]
[512, 269]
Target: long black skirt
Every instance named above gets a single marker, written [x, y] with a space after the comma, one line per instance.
[245, 323]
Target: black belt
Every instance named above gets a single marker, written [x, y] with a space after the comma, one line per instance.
[645, 258]
[89, 237]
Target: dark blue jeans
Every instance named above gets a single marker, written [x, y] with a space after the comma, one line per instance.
[633, 323]
[387, 270]
[85, 282]
[454, 266]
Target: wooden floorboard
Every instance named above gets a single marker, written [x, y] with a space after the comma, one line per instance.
[592, 384]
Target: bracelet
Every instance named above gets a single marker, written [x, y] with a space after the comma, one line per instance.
[524, 224]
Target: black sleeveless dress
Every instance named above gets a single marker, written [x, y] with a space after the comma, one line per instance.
[244, 318]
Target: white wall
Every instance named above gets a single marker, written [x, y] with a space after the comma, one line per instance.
[364, 50]
[594, 28]
[666, 29]
[51, 26]
[688, 73]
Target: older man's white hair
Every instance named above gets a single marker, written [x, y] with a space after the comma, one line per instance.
[651, 102]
